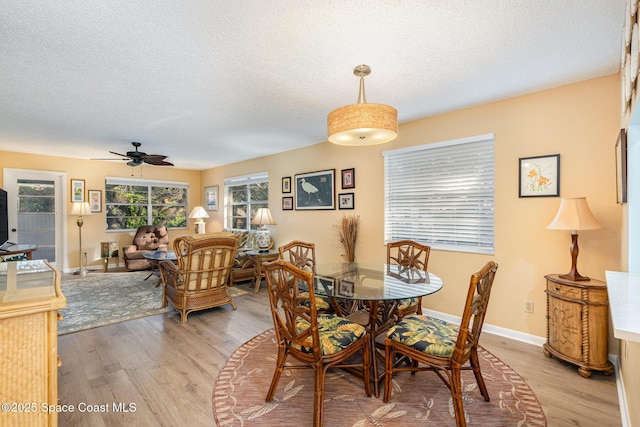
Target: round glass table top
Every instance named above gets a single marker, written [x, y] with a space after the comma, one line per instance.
[370, 281]
[160, 255]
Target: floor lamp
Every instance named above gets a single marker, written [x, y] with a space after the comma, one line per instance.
[80, 209]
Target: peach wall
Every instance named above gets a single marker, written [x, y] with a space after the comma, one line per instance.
[94, 173]
[579, 121]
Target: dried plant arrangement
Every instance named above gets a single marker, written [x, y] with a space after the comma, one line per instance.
[347, 229]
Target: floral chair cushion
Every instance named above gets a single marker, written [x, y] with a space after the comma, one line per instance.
[322, 303]
[404, 304]
[336, 334]
[431, 336]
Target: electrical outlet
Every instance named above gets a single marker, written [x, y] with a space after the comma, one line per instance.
[528, 306]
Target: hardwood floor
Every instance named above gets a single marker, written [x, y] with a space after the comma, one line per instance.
[163, 372]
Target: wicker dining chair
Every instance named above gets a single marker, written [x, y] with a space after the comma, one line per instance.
[408, 254]
[442, 347]
[319, 342]
[303, 255]
[200, 279]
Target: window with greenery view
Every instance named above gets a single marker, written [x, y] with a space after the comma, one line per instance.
[131, 203]
[442, 194]
[244, 195]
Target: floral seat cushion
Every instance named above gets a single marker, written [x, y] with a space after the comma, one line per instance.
[322, 302]
[431, 336]
[336, 334]
[404, 304]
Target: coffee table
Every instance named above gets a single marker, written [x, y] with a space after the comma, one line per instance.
[154, 258]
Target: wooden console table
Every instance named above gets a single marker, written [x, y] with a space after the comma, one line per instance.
[577, 323]
[29, 299]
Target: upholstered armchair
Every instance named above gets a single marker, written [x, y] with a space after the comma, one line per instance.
[200, 278]
[147, 238]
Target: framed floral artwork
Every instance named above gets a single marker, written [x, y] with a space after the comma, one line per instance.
[95, 200]
[539, 176]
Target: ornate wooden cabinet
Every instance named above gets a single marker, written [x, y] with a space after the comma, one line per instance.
[577, 323]
[29, 299]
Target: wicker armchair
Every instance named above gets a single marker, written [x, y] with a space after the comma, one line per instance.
[200, 279]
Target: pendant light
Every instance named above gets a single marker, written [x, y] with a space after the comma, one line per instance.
[362, 123]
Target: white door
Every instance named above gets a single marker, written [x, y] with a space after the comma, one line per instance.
[34, 201]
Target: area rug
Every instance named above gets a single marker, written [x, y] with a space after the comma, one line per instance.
[100, 299]
[239, 395]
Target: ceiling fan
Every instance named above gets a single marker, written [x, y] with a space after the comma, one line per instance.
[136, 158]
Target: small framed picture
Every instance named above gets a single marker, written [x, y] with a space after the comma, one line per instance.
[348, 178]
[346, 288]
[539, 176]
[77, 190]
[621, 167]
[287, 203]
[95, 200]
[286, 184]
[211, 197]
[345, 201]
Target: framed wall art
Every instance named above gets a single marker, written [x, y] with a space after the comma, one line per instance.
[348, 178]
[621, 167]
[345, 201]
[95, 200]
[77, 190]
[287, 203]
[286, 184]
[211, 198]
[315, 190]
[539, 176]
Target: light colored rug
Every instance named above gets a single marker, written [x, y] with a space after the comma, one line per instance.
[240, 390]
[100, 299]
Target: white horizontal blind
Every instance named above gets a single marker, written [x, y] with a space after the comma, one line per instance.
[442, 194]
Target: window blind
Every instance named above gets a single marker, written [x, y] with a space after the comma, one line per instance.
[442, 194]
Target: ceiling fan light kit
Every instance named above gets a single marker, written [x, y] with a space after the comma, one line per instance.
[362, 123]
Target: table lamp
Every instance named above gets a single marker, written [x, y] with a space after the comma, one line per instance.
[262, 218]
[199, 214]
[80, 209]
[574, 214]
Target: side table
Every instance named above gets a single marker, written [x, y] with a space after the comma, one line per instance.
[259, 258]
[577, 323]
[108, 250]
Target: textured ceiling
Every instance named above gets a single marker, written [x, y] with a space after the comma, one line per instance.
[213, 82]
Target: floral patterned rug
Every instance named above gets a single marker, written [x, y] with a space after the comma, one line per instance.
[239, 395]
[100, 299]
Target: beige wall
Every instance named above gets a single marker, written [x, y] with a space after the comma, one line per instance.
[579, 121]
[94, 173]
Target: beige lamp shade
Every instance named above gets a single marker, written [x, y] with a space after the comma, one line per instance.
[80, 209]
[362, 123]
[198, 212]
[263, 217]
[574, 214]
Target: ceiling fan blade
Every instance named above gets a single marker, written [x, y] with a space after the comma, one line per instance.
[118, 154]
[124, 159]
[156, 160]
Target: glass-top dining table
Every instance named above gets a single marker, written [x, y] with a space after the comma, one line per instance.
[368, 294]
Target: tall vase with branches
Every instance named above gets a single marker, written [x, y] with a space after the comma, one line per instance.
[347, 229]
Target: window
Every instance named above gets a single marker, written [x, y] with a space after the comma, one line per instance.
[243, 196]
[131, 203]
[442, 194]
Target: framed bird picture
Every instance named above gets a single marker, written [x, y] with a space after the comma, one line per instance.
[315, 190]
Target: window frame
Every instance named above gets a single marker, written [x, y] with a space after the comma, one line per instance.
[461, 219]
[246, 180]
[115, 181]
